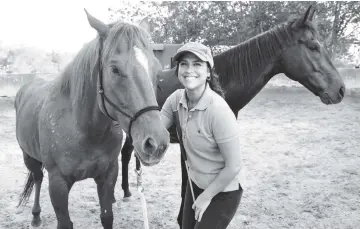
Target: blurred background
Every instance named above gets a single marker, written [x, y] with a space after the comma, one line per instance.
[38, 38]
[301, 158]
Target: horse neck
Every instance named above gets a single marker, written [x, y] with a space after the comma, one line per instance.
[252, 70]
[239, 96]
[89, 115]
[82, 74]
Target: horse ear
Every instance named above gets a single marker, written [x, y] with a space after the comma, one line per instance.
[308, 16]
[145, 24]
[98, 25]
[309, 13]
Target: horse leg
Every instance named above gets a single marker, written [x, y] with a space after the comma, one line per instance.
[35, 177]
[114, 176]
[59, 189]
[105, 186]
[184, 179]
[126, 152]
[138, 164]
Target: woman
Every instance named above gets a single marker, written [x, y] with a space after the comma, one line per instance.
[210, 138]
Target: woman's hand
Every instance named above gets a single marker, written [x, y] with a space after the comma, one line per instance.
[200, 206]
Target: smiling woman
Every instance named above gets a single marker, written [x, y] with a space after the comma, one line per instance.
[207, 129]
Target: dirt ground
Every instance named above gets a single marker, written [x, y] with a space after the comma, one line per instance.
[301, 162]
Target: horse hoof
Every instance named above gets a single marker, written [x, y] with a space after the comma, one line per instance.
[36, 222]
[127, 198]
[127, 194]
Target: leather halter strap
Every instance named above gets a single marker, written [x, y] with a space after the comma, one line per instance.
[117, 108]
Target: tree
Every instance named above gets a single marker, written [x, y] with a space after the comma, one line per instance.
[133, 11]
[212, 23]
[229, 23]
[344, 14]
[56, 59]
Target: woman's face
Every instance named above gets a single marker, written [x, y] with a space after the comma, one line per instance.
[192, 72]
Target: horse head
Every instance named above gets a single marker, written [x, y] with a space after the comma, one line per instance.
[127, 84]
[308, 62]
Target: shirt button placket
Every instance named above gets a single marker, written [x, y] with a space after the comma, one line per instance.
[185, 123]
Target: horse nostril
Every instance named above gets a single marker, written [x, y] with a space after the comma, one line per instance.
[342, 91]
[149, 145]
[162, 148]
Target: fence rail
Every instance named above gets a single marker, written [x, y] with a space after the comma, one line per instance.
[351, 78]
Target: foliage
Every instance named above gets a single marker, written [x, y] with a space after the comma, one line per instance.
[229, 23]
[31, 60]
[219, 24]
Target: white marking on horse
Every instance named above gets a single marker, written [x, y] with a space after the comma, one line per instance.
[143, 60]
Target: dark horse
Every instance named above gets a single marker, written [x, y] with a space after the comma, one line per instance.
[292, 48]
[67, 125]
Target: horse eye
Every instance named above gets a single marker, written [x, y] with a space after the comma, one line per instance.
[313, 48]
[114, 70]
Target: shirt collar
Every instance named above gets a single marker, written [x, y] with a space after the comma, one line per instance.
[204, 101]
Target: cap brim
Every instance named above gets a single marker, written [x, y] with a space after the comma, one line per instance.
[179, 54]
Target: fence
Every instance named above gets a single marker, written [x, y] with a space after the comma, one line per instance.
[10, 82]
[351, 77]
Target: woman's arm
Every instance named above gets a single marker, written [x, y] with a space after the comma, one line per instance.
[230, 151]
[225, 131]
[167, 110]
[166, 120]
[231, 154]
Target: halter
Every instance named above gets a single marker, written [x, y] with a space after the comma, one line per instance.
[105, 98]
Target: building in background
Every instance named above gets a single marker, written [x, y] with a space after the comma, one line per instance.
[165, 54]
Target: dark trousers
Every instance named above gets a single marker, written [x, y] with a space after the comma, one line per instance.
[218, 214]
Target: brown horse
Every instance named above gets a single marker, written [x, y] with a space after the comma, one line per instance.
[67, 125]
[292, 48]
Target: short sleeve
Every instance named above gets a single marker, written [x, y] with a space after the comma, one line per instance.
[169, 107]
[224, 124]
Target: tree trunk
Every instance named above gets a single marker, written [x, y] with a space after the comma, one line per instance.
[335, 29]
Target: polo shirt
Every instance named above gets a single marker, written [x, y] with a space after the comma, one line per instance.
[210, 122]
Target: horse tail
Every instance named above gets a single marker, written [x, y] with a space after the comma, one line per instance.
[26, 193]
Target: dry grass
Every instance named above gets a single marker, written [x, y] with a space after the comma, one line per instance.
[301, 162]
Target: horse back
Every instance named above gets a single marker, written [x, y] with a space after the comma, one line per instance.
[28, 103]
[168, 83]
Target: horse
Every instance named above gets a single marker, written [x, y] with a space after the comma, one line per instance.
[292, 48]
[72, 125]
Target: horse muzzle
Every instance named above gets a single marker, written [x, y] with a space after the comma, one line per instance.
[333, 98]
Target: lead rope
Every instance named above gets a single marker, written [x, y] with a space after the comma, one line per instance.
[190, 182]
[140, 189]
[183, 151]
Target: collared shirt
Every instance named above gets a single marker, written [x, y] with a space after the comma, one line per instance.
[210, 122]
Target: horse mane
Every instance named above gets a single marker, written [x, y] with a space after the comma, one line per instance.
[243, 64]
[81, 73]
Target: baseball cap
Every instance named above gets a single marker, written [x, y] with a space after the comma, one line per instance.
[198, 49]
